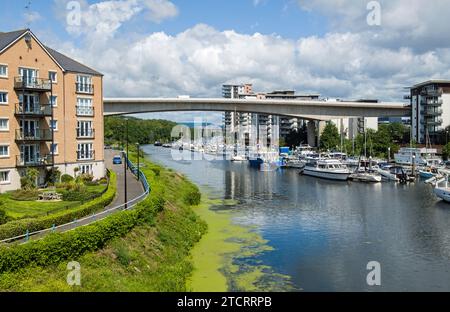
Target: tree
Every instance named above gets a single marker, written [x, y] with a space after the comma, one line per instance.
[446, 151]
[330, 138]
[297, 137]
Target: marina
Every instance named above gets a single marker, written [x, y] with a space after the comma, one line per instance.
[322, 231]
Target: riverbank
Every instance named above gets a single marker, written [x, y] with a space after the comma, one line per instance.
[153, 256]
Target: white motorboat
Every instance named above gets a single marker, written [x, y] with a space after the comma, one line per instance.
[367, 176]
[237, 158]
[417, 156]
[331, 169]
[442, 189]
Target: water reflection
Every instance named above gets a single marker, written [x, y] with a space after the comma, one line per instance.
[324, 232]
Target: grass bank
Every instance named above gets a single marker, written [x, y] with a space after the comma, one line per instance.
[153, 256]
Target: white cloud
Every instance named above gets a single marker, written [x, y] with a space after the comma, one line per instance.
[161, 10]
[31, 17]
[353, 61]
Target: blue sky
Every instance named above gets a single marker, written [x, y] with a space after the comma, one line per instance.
[282, 17]
[165, 48]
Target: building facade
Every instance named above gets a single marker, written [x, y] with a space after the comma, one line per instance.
[51, 112]
[430, 110]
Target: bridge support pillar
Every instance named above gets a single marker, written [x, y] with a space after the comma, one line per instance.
[311, 130]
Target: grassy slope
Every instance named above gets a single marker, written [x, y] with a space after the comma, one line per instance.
[152, 257]
[20, 209]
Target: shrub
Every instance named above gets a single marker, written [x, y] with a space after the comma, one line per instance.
[191, 195]
[53, 176]
[85, 177]
[28, 181]
[25, 195]
[66, 178]
[19, 227]
[3, 217]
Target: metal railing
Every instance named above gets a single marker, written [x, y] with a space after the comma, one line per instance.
[85, 155]
[33, 83]
[91, 218]
[34, 135]
[85, 133]
[36, 161]
[85, 88]
[85, 110]
[34, 110]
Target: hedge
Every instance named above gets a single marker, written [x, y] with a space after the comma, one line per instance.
[20, 227]
[58, 247]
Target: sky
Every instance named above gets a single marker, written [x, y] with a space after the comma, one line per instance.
[348, 49]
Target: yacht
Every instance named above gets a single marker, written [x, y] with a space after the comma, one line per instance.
[442, 190]
[327, 169]
[367, 176]
[423, 157]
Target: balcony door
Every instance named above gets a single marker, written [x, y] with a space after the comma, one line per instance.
[30, 153]
[29, 103]
[28, 75]
[29, 127]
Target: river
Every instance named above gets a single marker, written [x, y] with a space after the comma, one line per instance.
[324, 233]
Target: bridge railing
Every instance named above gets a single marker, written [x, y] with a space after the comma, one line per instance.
[91, 218]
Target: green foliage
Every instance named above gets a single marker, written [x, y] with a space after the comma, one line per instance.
[330, 139]
[85, 177]
[28, 181]
[65, 178]
[3, 216]
[446, 151]
[191, 195]
[139, 130]
[19, 227]
[25, 195]
[53, 176]
[296, 138]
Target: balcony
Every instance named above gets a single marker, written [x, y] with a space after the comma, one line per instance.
[37, 110]
[85, 155]
[85, 110]
[84, 88]
[32, 84]
[34, 161]
[432, 122]
[431, 112]
[34, 135]
[85, 133]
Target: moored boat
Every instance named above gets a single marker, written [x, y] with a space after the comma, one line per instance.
[327, 169]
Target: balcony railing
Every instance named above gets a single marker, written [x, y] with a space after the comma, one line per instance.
[34, 161]
[84, 88]
[31, 83]
[85, 110]
[85, 155]
[34, 135]
[37, 110]
[85, 133]
[431, 112]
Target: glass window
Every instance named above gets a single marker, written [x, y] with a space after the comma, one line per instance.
[4, 97]
[4, 124]
[54, 125]
[84, 107]
[54, 100]
[85, 151]
[3, 70]
[4, 150]
[4, 176]
[54, 148]
[52, 76]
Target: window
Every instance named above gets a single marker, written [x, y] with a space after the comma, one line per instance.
[85, 151]
[86, 169]
[4, 150]
[54, 148]
[84, 107]
[84, 84]
[4, 71]
[4, 124]
[4, 176]
[54, 100]
[3, 97]
[52, 76]
[54, 125]
[84, 129]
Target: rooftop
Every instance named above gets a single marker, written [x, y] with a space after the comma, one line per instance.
[429, 82]
[67, 64]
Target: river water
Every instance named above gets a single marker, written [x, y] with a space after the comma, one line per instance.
[324, 233]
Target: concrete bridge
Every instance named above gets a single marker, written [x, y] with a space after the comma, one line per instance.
[306, 109]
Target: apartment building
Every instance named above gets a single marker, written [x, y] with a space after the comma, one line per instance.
[51, 112]
[430, 110]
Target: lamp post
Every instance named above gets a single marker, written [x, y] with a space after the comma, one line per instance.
[125, 164]
[389, 154]
[138, 152]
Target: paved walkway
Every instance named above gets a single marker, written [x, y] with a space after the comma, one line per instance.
[135, 189]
